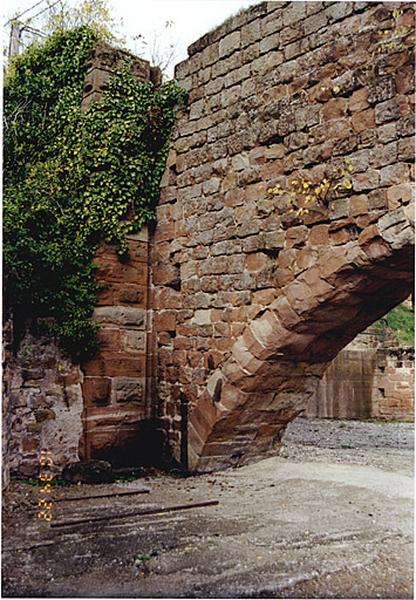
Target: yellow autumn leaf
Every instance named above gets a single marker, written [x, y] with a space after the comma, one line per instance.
[347, 184]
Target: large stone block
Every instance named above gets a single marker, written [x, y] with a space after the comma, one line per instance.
[127, 389]
[120, 315]
[229, 44]
[96, 391]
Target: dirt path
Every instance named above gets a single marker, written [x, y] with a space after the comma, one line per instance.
[310, 524]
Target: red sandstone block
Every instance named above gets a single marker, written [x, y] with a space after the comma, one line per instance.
[183, 342]
[256, 261]
[358, 100]
[117, 365]
[231, 396]
[195, 359]
[335, 108]
[235, 330]
[96, 391]
[341, 236]
[358, 206]
[319, 235]
[285, 313]
[200, 423]
[165, 321]
[194, 440]
[165, 298]
[109, 339]
[221, 344]
[119, 272]
[129, 294]
[334, 262]
[225, 449]
[296, 236]
[186, 330]
[363, 120]
[244, 358]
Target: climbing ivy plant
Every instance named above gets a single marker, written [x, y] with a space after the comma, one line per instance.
[73, 178]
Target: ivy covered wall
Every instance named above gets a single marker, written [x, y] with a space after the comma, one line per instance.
[86, 130]
[73, 178]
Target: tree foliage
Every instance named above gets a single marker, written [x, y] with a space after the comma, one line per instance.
[96, 14]
[72, 179]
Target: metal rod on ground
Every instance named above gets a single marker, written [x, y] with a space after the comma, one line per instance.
[150, 511]
[128, 493]
[32, 547]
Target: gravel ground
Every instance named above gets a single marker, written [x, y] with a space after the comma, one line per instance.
[332, 517]
[388, 446]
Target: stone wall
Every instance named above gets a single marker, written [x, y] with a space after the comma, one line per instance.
[367, 382]
[223, 321]
[6, 406]
[117, 418]
[115, 383]
[103, 410]
[45, 406]
[252, 303]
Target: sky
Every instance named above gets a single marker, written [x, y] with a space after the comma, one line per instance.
[189, 20]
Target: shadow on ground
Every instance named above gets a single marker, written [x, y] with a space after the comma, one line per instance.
[330, 518]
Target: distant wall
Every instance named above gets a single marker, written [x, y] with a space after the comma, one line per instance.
[364, 382]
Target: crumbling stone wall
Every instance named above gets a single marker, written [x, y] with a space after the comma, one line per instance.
[251, 303]
[6, 407]
[45, 406]
[367, 381]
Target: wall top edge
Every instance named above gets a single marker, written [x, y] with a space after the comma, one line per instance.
[232, 23]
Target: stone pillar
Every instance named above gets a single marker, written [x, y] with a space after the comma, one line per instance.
[116, 417]
[115, 381]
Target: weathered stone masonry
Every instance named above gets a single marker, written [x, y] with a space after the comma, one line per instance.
[103, 409]
[371, 378]
[251, 303]
[222, 323]
[117, 413]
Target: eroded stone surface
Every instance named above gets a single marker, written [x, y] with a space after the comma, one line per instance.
[46, 404]
[266, 300]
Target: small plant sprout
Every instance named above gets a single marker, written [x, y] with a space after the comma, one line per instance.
[394, 39]
[304, 194]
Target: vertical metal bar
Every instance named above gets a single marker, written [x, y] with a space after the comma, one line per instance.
[184, 431]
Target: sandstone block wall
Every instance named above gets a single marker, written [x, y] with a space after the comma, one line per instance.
[117, 415]
[251, 303]
[115, 380]
[367, 382]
